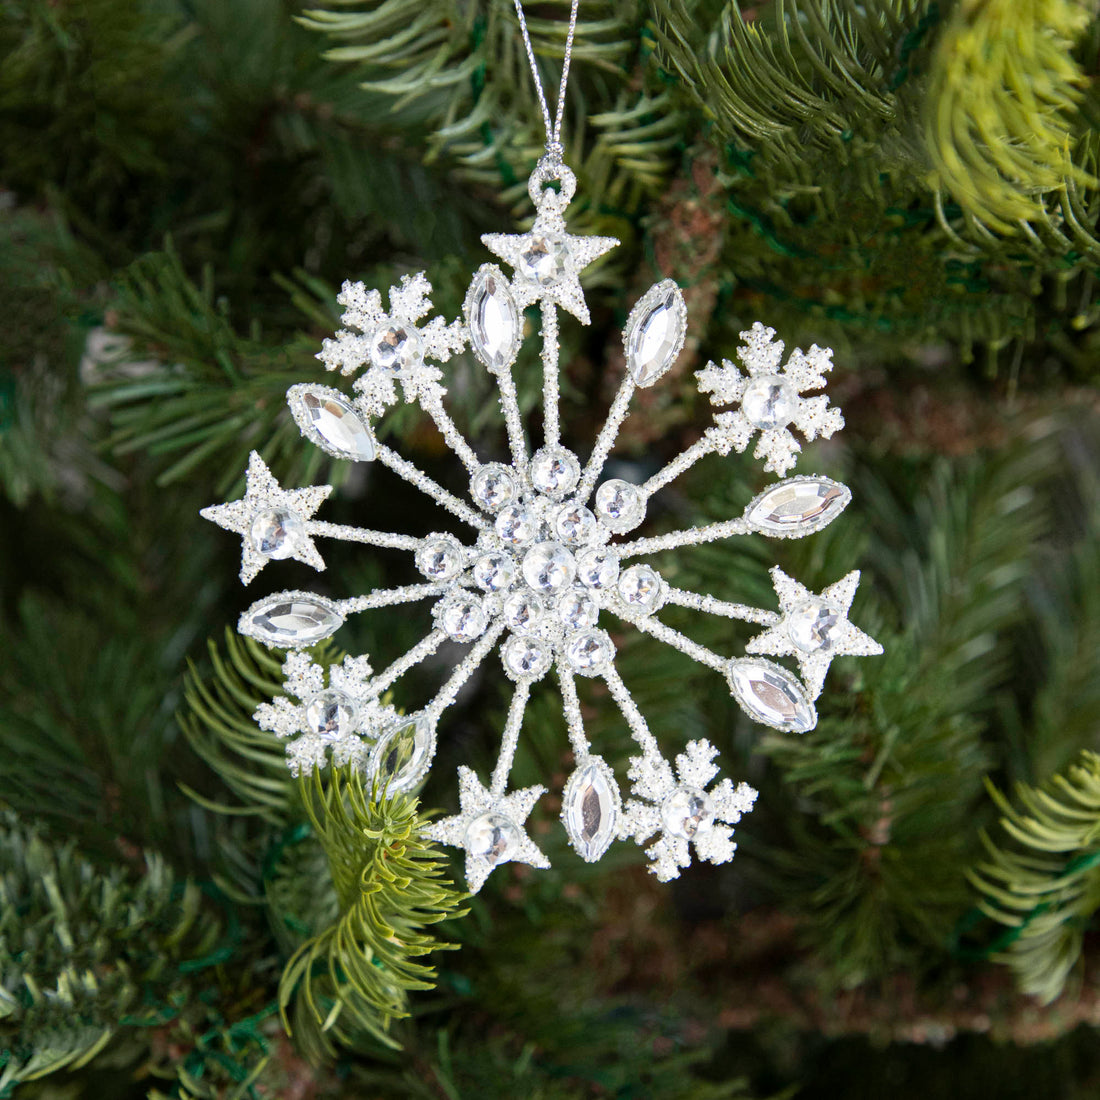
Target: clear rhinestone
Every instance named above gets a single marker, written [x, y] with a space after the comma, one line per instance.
[493, 319]
[640, 588]
[277, 533]
[575, 524]
[493, 838]
[494, 486]
[555, 471]
[687, 812]
[401, 756]
[577, 610]
[590, 652]
[770, 694]
[522, 612]
[768, 402]
[542, 260]
[620, 505]
[525, 658]
[549, 567]
[814, 626]
[462, 617]
[797, 506]
[440, 558]
[494, 572]
[326, 418]
[331, 714]
[597, 568]
[590, 808]
[516, 525]
[655, 333]
[395, 347]
[291, 620]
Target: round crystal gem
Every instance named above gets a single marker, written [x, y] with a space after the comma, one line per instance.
[575, 524]
[589, 652]
[277, 533]
[577, 610]
[640, 588]
[555, 471]
[401, 755]
[494, 486]
[597, 568]
[331, 714]
[440, 558]
[516, 525]
[542, 260]
[526, 658]
[768, 402]
[395, 346]
[549, 567]
[494, 572]
[522, 611]
[493, 838]
[463, 618]
[619, 504]
[814, 626]
[687, 812]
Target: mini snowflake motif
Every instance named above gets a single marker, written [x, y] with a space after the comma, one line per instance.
[551, 561]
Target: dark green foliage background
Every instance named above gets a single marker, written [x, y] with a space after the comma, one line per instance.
[184, 184]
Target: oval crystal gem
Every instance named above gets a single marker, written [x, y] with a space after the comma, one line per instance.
[687, 812]
[493, 838]
[797, 506]
[768, 402]
[401, 756]
[768, 693]
[331, 714]
[277, 532]
[590, 808]
[814, 626]
[655, 332]
[291, 620]
[492, 318]
[327, 418]
[549, 567]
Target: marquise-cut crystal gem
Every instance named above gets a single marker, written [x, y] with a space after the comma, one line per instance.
[291, 620]
[522, 611]
[463, 618]
[493, 320]
[589, 652]
[401, 756]
[797, 506]
[549, 567]
[577, 610]
[687, 812]
[640, 588]
[526, 658]
[597, 568]
[575, 524]
[655, 333]
[440, 559]
[555, 471]
[814, 626]
[331, 714]
[277, 532]
[328, 419]
[492, 837]
[771, 695]
[620, 504]
[494, 486]
[542, 260]
[494, 572]
[395, 347]
[516, 525]
[768, 402]
[590, 809]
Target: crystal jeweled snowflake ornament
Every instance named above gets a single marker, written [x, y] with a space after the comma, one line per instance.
[551, 562]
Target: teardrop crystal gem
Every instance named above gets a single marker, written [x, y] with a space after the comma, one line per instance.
[291, 620]
[401, 756]
[590, 808]
[492, 318]
[797, 506]
[655, 332]
[327, 418]
[768, 693]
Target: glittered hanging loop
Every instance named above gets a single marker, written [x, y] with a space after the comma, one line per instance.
[550, 169]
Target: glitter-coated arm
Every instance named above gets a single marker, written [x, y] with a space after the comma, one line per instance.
[550, 418]
[680, 464]
[509, 405]
[639, 728]
[606, 439]
[388, 597]
[711, 606]
[454, 439]
[345, 533]
[571, 705]
[510, 739]
[693, 536]
[674, 638]
[411, 474]
[424, 648]
[449, 691]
